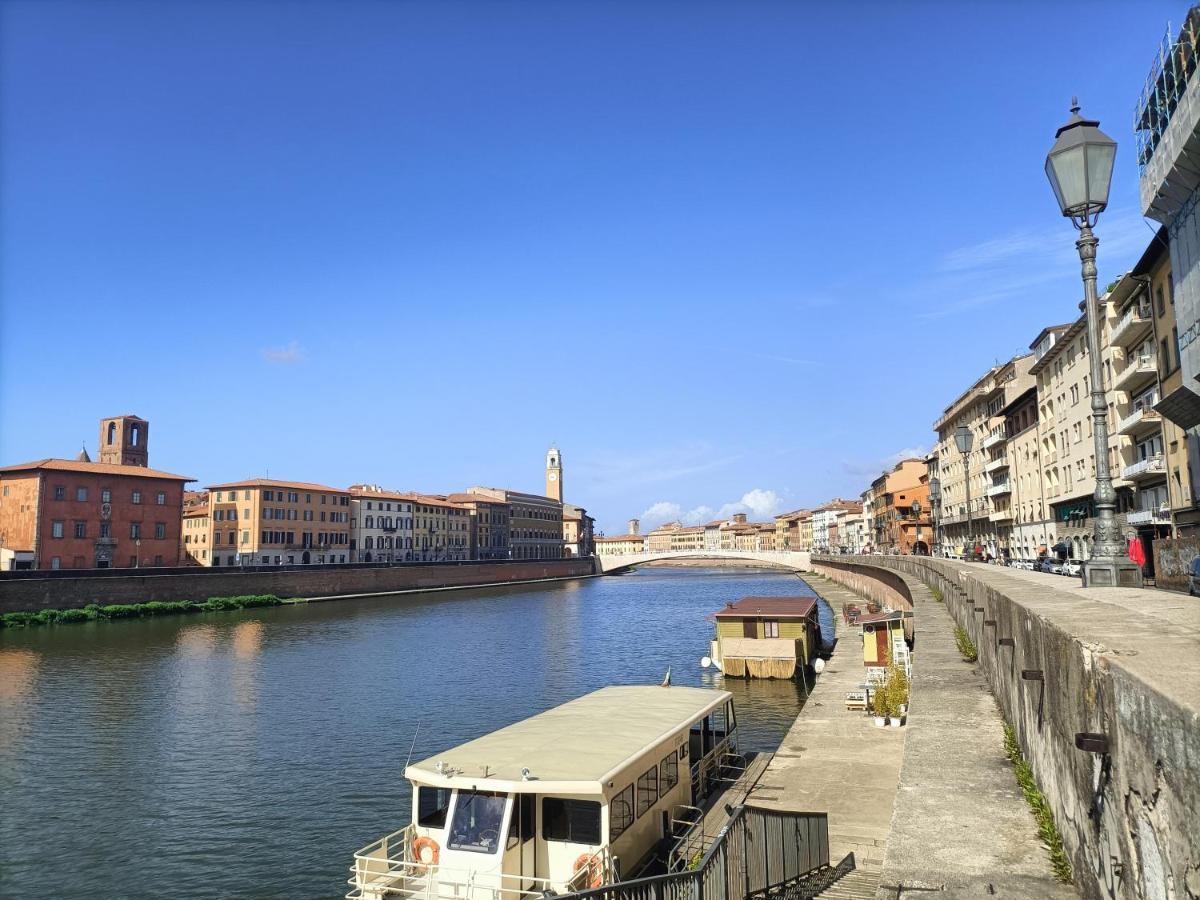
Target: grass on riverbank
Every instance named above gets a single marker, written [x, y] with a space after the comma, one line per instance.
[936, 591]
[94, 611]
[966, 646]
[1047, 830]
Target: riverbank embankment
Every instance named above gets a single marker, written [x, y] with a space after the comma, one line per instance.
[33, 592]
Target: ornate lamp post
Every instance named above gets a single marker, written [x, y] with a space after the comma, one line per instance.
[935, 503]
[1079, 167]
[963, 440]
[916, 511]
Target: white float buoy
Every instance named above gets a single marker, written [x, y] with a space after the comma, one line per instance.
[705, 662]
[818, 665]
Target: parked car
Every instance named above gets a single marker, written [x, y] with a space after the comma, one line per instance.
[1047, 564]
[1072, 567]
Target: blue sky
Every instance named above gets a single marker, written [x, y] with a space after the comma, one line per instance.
[725, 255]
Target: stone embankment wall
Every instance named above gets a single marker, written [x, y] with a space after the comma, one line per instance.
[1120, 666]
[1173, 562]
[31, 594]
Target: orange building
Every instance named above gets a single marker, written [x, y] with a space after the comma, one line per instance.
[79, 514]
[264, 522]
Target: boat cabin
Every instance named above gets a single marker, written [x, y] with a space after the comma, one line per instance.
[570, 799]
[766, 637]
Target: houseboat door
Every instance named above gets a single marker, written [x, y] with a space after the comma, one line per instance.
[520, 850]
[750, 628]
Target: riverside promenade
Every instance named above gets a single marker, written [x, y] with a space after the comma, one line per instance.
[933, 806]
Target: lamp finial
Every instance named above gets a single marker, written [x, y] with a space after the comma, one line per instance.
[1075, 105]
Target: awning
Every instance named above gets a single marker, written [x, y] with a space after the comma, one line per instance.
[1181, 406]
[1062, 548]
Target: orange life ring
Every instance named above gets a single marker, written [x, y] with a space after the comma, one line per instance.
[425, 852]
[595, 867]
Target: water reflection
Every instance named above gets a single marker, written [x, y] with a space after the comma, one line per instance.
[286, 729]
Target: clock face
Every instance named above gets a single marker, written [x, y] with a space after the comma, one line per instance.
[554, 476]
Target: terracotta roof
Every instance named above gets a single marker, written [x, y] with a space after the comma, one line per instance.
[364, 494]
[428, 499]
[94, 468]
[869, 618]
[622, 537]
[474, 498]
[272, 483]
[799, 607]
[192, 512]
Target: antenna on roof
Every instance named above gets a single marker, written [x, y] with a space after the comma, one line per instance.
[408, 759]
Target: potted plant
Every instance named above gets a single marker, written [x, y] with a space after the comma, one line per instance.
[879, 705]
[896, 688]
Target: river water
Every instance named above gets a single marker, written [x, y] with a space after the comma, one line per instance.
[249, 754]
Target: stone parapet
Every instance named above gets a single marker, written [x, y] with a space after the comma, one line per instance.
[1117, 662]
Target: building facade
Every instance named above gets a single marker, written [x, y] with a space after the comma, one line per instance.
[268, 522]
[79, 514]
[535, 523]
[380, 525]
[578, 531]
[489, 525]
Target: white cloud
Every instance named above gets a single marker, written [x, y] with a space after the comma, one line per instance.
[284, 356]
[758, 504]
[906, 453]
[609, 473]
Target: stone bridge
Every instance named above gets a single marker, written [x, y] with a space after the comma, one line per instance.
[794, 561]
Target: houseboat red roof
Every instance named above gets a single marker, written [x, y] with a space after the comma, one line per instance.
[776, 607]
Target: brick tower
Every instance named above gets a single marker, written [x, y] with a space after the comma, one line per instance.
[124, 441]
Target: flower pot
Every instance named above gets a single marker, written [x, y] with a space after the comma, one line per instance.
[895, 721]
[880, 721]
[903, 709]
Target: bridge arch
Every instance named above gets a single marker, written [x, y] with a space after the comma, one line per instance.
[794, 561]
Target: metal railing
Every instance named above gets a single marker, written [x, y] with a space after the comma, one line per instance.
[757, 853]
[387, 868]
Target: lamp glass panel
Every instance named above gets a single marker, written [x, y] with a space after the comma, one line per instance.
[1100, 165]
[1068, 175]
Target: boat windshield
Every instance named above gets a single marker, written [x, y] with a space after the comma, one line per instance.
[478, 816]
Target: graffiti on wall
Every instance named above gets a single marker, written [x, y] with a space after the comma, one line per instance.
[1173, 561]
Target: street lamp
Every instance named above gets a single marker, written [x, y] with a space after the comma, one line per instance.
[916, 511]
[1079, 167]
[935, 503]
[963, 440]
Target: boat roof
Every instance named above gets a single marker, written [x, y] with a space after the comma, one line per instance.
[779, 607]
[575, 748]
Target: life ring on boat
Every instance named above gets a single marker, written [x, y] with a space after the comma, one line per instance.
[594, 866]
[425, 851]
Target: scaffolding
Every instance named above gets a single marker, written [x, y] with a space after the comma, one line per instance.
[1165, 86]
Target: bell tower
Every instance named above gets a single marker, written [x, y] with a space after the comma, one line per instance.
[124, 441]
[554, 484]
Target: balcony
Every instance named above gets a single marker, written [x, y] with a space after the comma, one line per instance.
[1139, 421]
[1145, 468]
[1139, 371]
[1050, 456]
[996, 465]
[996, 437]
[1149, 517]
[1132, 327]
[999, 489]
[1001, 515]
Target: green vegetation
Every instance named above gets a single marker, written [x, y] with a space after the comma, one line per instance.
[966, 646]
[890, 696]
[936, 591]
[1039, 805]
[135, 610]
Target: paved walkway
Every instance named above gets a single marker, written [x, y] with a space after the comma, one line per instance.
[834, 760]
[961, 825]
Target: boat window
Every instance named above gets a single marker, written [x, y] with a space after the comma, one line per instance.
[620, 813]
[668, 774]
[573, 821]
[771, 628]
[647, 790]
[730, 717]
[475, 826]
[432, 806]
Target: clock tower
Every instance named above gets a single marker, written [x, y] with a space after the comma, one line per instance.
[554, 485]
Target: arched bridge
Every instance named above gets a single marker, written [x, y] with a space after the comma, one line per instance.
[796, 561]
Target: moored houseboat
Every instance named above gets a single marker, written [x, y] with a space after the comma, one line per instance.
[574, 798]
[766, 637]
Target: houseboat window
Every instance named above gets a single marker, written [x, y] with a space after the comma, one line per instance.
[476, 822]
[668, 774]
[647, 790]
[620, 813]
[771, 628]
[573, 821]
[432, 806]
[730, 718]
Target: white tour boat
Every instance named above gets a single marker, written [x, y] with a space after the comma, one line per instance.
[571, 799]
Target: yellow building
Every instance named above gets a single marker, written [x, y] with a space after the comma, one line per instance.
[441, 530]
[620, 545]
[264, 522]
[194, 533]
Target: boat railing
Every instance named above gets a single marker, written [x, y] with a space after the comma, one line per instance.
[758, 853]
[707, 770]
[386, 868]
